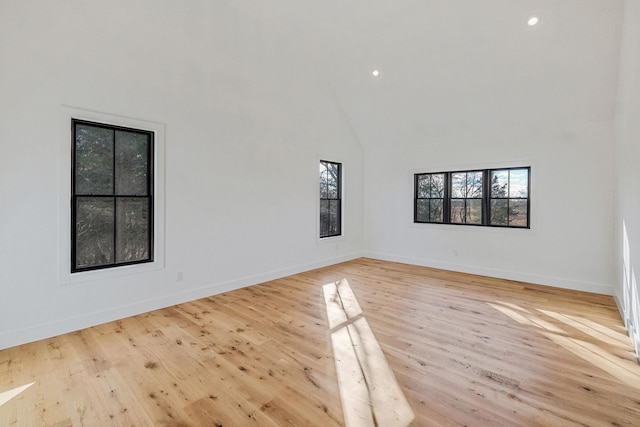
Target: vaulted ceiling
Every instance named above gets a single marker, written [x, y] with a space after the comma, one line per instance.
[459, 67]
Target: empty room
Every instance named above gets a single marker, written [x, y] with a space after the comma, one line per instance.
[328, 213]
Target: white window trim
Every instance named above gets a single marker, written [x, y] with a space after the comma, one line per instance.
[65, 277]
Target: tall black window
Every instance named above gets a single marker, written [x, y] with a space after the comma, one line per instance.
[430, 196]
[112, 196]
[330, 199]
[509, 197]
[492, 197]
[466, 197]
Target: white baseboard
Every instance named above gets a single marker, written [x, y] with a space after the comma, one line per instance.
[598, 288]
[48, 330]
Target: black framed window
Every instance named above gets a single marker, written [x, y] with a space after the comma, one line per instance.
[330, 199]
[509, 197]
[466, 197]
[112, 196]
[490, 197]
[430, 196]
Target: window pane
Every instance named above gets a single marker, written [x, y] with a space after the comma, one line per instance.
[94, 160]
[474, 211]
[334, 217]
[422, 210]
[424, 187]
[435, 210]
[329, 218]
[500, 212]
[519, 183]
[332, 180]
[459, 184]
[323, 180]
[458, 211]
[132, 163]
[474, 184]
[132, 229]
[499, 183]
[436, 186]
[94, 231]
[518, 213]
[332, 190]
[324, 218]
[329, 180]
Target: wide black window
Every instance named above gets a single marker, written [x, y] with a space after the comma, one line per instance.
[492, 197]
[112, 196]
[330, 199]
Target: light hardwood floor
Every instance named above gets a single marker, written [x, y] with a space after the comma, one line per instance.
[465, 350]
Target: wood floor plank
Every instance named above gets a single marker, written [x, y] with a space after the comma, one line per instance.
[465, 350]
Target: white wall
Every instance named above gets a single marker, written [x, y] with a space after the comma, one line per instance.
[504, 95]
[246, 119]
[569, 244]
[627, 220]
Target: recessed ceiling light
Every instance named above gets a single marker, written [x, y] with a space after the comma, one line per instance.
[375, 73]
[533, 21]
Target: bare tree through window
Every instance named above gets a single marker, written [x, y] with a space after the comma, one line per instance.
[466, 197]
[330, 199]
[112, 206]
[430, 197]
[490, 197]
[510, 197]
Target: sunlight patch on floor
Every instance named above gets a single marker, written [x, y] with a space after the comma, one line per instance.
[369, 391]
[604, 360]
[589, 327]
[524, 317]
[6, 396]
[625, 370]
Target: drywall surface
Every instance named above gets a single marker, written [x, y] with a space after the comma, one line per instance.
[489, 92]
[243, 118]
[569, 243]
[627, 219]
